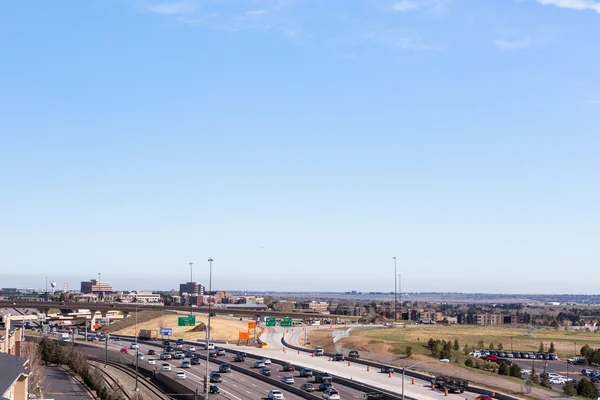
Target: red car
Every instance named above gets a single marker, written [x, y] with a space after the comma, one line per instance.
[491, 358]
[124, 350]
[288, 368]
[151, 352]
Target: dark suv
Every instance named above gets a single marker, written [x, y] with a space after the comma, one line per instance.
[224, 368]
[322, 377]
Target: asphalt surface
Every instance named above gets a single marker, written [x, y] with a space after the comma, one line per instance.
[235, 385]
[421, 389]
[62, 386]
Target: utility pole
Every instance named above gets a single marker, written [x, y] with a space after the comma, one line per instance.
[210, 262]
[400, 293]
[191, 264]
[395, 292]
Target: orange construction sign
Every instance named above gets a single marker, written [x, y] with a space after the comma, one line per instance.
[251, 324]
[244, 336]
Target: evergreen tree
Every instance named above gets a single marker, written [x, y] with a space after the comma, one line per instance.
[587, 389]
[500, 347]
[480, 345]
[466, 350]
[456, 345]
[541, 348]
[551, 348]
[408, 351]
[491, 346]
[569, 389]
[585, 350]
[503, 369]
[515, 370]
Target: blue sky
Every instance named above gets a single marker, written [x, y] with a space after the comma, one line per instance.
[301, 143]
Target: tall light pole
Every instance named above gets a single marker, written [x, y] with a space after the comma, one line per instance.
[395, 291]
[400, 293]
[137, 358]
[46, 295]
[191, 264]
[210, 262]
[445, 361]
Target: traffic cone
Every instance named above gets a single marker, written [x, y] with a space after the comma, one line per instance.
[298, 351]
[389, 374]
[329, 358]
[445, 392]
[368, 368]
[432, 386]
[413, 381]
[312, 355]
[349, 363]
[493, 394]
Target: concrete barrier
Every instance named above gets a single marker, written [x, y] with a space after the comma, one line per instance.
[409, 373]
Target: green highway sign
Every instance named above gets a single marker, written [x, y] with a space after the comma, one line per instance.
[286, 321]
[271, 321]
[190, 320]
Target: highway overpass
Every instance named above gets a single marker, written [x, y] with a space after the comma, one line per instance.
[126, 308]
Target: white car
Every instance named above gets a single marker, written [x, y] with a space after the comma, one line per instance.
[152, 361]
[140, 356]
[331, 394]
[556, 381]
[180, 375]
[134, 346]
[525, 371]
[266, 361]
[191, 348]
[287, 379]
[259, 364]
[179, 346]
[165, 367]
[276, 395]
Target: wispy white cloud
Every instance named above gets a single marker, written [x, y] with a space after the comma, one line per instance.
[433, 6]
[521, 43]
[400, 40]
[256, 13]
[173, 7]
[574, 4]
[406, 5]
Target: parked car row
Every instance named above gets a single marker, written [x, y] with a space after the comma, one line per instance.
[514, 354]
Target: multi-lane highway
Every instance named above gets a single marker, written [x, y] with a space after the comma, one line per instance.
[421, 389]
[235, 385]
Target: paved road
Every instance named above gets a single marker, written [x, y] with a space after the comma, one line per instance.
[62, 386]
[420, 390]
[235, 386]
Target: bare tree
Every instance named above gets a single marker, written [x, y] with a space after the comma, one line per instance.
[37, 378]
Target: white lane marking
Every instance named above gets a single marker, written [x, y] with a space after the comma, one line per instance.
[234, 385]
[253, 385]
[248, 392]
[230, 394]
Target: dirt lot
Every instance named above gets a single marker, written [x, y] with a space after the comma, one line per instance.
[221, 328]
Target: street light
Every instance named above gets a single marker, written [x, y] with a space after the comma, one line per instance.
[443, 360]
[137, 358]
[210, 262]
[395, 291]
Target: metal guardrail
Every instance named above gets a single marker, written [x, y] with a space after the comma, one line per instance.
[418, 375]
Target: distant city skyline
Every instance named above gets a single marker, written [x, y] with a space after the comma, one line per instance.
[301, 144]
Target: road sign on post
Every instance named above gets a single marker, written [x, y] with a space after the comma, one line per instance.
[286, 322]
[271, 321]
[41, 317]
[166, 331]
[190, 320]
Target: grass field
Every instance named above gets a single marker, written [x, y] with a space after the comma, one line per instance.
[394, 340]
